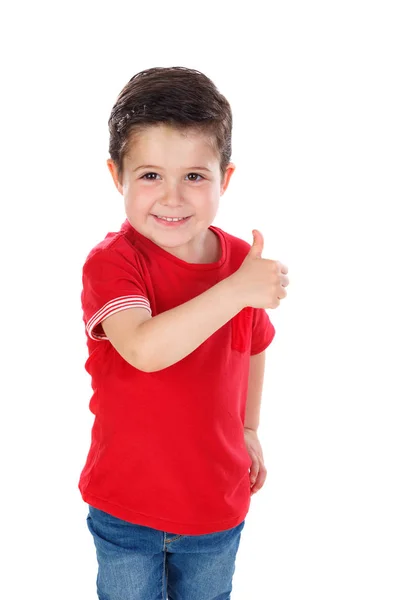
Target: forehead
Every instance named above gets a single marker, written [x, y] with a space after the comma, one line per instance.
[171, 145]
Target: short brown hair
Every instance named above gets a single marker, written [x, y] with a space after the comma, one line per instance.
[181, 97]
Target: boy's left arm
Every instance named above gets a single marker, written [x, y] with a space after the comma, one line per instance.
[258, 472]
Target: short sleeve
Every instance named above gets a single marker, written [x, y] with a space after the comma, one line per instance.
[111, 283]
[263, 331]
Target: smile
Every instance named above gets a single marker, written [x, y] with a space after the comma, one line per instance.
[170, 221]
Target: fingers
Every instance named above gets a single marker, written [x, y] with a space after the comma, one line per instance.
[258, 474]
[284, 281]
[282, 293]
[254, 469]
[284, 268]
[262, 476]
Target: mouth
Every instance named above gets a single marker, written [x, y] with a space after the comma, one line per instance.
[166, 223]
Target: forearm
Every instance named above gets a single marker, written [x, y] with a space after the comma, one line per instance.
[254, 393]
[170, 336]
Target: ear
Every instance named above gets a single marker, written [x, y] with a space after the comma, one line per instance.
[228, 174]
[114, 174]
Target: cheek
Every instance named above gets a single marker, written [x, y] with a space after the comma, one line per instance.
[207, 195]
[140, 190]
[140, 197]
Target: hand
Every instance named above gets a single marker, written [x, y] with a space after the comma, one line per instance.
[260, 282]
[258, 472]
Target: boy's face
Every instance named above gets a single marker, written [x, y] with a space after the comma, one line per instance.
[183, 181]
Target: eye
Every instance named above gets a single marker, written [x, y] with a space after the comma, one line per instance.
[145, 176]
[152, 179]
[197, 175]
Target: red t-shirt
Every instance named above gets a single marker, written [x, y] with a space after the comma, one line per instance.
[167, 448]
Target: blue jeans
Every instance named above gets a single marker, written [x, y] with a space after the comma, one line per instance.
[141, 563]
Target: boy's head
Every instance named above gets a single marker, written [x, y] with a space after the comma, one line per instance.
[176, 122]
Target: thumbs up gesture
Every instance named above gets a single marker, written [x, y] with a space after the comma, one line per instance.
[260, 281]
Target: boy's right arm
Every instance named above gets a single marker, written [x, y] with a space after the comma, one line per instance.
[155, 343]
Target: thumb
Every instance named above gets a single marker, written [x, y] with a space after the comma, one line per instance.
[258, 244]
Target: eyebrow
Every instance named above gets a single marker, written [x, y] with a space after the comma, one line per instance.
[155, 167]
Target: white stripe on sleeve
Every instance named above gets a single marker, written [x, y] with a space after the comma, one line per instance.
[112, 307]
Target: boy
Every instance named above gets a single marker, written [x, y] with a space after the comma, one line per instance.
[176, 332]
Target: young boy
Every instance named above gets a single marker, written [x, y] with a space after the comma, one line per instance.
[176, 332]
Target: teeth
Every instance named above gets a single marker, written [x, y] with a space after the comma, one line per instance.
[170, 218]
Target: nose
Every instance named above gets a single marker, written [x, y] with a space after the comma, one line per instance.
[172, 195]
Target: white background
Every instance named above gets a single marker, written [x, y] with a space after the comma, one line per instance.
[314, 89]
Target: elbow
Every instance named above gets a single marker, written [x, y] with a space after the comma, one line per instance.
[139, 364]
[140, 361]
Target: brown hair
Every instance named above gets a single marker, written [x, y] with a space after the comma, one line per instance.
[180, 97]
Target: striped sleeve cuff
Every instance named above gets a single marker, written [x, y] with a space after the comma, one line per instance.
[112, 307]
